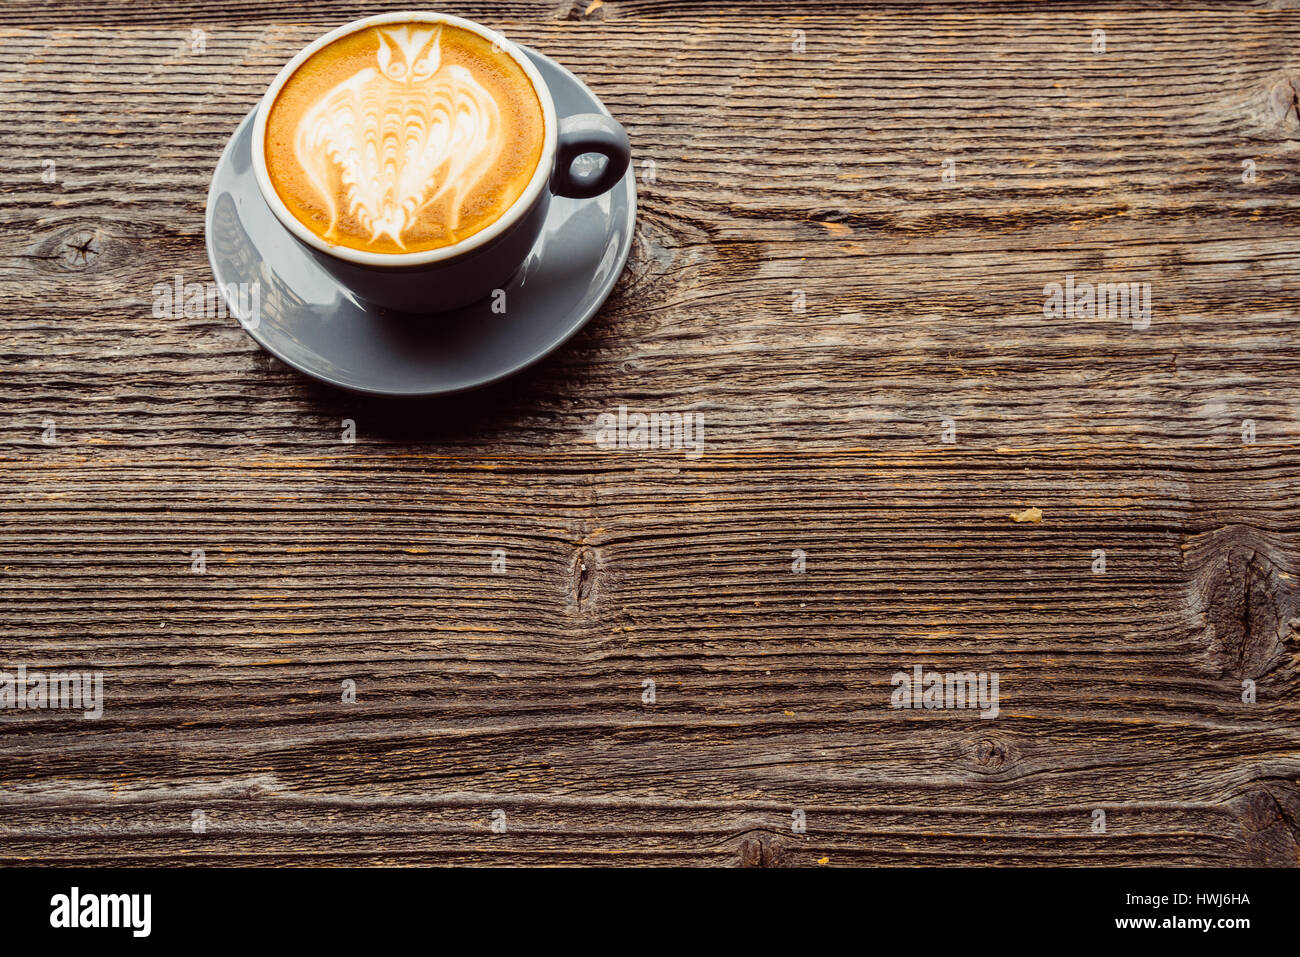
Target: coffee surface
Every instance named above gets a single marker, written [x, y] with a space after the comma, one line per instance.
[403, 137]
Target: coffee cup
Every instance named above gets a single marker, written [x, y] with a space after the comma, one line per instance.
[415, 155]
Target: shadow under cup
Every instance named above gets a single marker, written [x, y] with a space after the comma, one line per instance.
[453, 276]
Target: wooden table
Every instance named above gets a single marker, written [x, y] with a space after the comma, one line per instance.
[849, 215]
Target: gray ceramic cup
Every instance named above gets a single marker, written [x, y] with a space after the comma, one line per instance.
[452, 276]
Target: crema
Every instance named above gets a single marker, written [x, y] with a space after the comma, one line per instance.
[404, 137]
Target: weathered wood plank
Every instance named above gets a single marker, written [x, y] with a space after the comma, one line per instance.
[806, 281]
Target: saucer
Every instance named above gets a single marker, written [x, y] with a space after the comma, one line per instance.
[305, 318]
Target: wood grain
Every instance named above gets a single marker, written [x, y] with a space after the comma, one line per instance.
[779, 179]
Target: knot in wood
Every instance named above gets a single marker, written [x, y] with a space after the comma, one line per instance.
[760, 850]
[991, 754]
[81, 249]
[1243, 589]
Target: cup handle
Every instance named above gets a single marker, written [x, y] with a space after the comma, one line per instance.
[589, 133]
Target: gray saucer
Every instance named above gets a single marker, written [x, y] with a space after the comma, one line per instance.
[306, 319]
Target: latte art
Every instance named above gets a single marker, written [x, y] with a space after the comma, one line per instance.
[402, 138]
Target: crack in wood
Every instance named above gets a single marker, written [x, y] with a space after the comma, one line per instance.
[582, 576]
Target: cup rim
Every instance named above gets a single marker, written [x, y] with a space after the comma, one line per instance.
[525, 200]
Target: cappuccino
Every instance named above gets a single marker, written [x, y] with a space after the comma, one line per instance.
[404, 137]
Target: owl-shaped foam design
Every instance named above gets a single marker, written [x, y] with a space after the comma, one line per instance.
[400, 136]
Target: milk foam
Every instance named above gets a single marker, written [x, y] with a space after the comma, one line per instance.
[400, 135]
